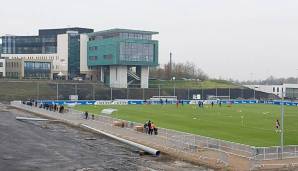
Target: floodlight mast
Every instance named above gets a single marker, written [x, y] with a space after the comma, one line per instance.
[282, 124]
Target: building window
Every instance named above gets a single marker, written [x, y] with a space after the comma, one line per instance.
[277, 89]
[1, 64]
[92, 58]
[136, 52]
[93, 48]
[108, 57]
[273, 89]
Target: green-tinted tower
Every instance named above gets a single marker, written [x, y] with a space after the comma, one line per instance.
[121, 57]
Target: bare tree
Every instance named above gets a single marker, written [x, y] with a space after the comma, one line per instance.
[186, 70]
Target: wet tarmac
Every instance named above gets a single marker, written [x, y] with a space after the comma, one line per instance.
[34, 146]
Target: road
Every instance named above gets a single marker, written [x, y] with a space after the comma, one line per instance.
[54, 146]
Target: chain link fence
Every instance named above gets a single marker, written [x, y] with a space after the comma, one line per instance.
[18, 90]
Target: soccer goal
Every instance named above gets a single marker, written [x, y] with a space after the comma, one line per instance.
[212, 97]
[163, 98]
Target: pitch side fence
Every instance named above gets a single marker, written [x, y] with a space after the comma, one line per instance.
[24, 90]
[191, 143]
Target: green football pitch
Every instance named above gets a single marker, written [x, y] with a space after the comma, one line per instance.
[252, 124]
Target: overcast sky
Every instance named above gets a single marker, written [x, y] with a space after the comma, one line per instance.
[238, 39]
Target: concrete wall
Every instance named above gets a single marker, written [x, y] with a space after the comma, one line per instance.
[62, 50]
[118, 76]
[83, 53]
[13, 67]
[144, 76]
[2, 68]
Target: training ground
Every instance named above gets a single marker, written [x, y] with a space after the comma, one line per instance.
[251, 124]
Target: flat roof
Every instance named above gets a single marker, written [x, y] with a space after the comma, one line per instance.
[118, 30]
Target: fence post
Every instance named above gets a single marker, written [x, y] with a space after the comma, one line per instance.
[277, 153]
[37, 90]
[194, 143]
[187, 93]
[158, 89]
[93, 94]
[216, 92]
[166, 142]
[264, 154]
[202, 94]
[76, 89]
[143, 94]
[174, 90]
[57, 91]
[111, 93]
[229, 93]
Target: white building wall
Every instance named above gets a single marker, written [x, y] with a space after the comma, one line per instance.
[118, 76]
[2, 69]
[273, 89]
[144, 76]
[83, 53]
[52, 57]
[60, 59]
[62, 51]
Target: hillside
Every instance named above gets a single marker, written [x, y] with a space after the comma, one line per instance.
[208, 84]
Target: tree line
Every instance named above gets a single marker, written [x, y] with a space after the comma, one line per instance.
[273, 81]
[180, 71]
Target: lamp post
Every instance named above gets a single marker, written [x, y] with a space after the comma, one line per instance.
[297, 75]
[282, 124]
[174, 86]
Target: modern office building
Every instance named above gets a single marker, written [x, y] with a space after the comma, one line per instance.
[28, 69]
[120, 57]
[2, 67]
[0, 50]
[62, 46]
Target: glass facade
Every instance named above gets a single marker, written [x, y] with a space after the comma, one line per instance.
[122, 47]
[136, 52]
[73, 55]
[29, 45]
[44, 43]
[135, 36]
[124, 35]
[21, 45]
[292, 93]
[34, 69]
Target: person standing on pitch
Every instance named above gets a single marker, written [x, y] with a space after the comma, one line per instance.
[150, 128]
[277, 125]
[86, 115]
[146, 127]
